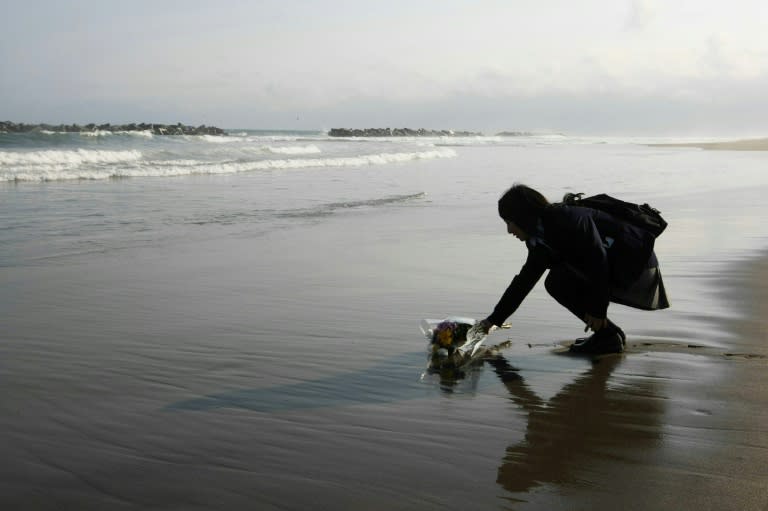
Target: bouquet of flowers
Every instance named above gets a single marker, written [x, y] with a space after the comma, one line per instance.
[447, 337]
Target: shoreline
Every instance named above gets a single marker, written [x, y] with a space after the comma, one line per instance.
[747, 144]
[746, 289]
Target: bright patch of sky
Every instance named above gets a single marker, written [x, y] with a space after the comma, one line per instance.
[645, 66]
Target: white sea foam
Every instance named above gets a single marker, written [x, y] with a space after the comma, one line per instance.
[177, 163]
[275, 138]
[84, 164]
[216, 139]
[96, 133]
[70, 158]
[308, 149]
[141, 134]
[181, 167]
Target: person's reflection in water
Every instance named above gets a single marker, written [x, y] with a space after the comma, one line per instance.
[583, 423]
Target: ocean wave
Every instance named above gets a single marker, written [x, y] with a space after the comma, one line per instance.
[330, 208]
[99, 133]
[214, 139]
[308, 149]
[67, 158]
[140, 134]
[89, 164]
[257, 144]
[96, 133]
[234, 217]
[278, 138]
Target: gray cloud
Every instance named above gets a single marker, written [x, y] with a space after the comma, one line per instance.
[678, 66]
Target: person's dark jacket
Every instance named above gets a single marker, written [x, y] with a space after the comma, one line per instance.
[606, 252]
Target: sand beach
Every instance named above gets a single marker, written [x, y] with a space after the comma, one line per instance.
[749, 144]
[224, 225]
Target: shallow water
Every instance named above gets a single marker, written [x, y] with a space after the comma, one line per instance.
[251, 339]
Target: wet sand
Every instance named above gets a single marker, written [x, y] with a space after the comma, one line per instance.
[674, 426]
[666, 425]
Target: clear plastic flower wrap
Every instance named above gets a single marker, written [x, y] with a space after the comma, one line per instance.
[452, 341]
[447, 335]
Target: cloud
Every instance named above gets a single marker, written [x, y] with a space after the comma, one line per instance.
[641, 15]
[527, 65]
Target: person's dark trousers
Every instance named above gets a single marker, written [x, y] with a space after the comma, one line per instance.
[568, 288]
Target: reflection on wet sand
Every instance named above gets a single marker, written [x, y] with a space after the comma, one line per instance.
[584, 422]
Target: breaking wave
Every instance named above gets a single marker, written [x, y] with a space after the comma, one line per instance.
[309, 149]
[51, 165]
[70, 157]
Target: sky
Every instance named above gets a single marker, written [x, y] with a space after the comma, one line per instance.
[677, 67]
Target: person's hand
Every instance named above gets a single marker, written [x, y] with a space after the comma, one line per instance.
[484, 326]
[475, 337]
[478, 331]
[593, 323]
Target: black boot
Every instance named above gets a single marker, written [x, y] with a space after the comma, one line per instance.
[609, 339]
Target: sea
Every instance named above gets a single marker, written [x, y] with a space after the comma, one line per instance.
[232, 322]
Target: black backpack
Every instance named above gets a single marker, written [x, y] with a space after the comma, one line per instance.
[641, 215]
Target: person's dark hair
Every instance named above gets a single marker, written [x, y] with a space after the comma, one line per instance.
[523, 206]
